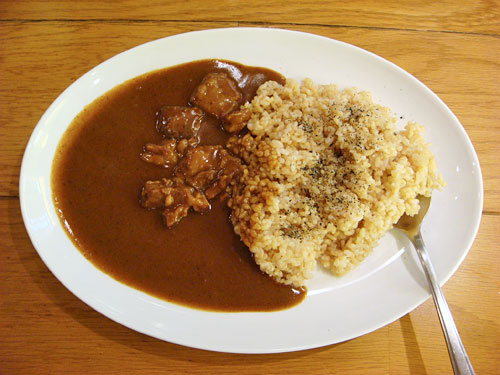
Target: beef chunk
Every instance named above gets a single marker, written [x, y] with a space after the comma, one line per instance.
[179, 122]
[199, 166]
[174, 197]
[199, 159]
[208, 168]
[152, 195]
[217, 94]
[185, 144]
[168, 152]
[236, 120]
[164, 154]
[228, 169]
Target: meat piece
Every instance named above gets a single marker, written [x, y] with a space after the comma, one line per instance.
[179, 122]
[199, 166]
[208, 168]
[168, 152]
[183, 198]
[164, 154]
[175, 197]
[185, 144]
[174, 215]
[152, 195]
[229, 168]
[237, 120]
[217, 94]
[203, 179]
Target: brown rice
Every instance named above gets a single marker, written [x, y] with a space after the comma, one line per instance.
[327, 174]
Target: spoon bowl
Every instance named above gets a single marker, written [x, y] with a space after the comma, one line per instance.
[411, 224]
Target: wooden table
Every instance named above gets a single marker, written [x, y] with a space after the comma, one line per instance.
[451, 46]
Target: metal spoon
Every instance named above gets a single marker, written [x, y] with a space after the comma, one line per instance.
[411, 226]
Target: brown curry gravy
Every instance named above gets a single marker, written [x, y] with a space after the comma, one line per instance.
[96, 179]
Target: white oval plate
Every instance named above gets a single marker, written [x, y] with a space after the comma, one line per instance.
[385, 287]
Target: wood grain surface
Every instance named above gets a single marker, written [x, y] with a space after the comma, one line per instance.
[451, 46]
[469, 16]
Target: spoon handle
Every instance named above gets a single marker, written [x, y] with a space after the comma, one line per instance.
[458, 356]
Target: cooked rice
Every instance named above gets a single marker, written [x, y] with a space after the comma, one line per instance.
[327, 174]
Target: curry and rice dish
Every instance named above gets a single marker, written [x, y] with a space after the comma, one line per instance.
[221, 186]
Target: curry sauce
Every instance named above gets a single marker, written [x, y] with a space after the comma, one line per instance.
[97, 177]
